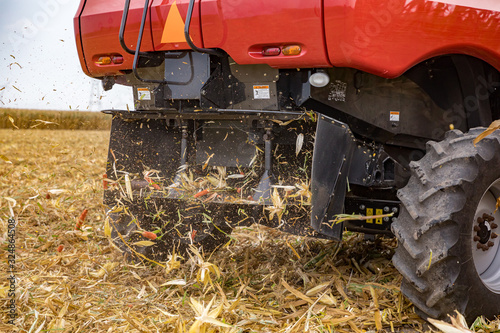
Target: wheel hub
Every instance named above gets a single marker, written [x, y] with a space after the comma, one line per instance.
[484, 232]
[485, 246]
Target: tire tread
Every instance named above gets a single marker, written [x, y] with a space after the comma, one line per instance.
[439, 180]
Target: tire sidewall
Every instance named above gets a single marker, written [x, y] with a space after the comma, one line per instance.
[469, 284]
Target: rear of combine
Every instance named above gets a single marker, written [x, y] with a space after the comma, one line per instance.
[291, 115]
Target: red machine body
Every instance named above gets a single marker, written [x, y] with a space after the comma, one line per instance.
[385, 38]
[379, 92]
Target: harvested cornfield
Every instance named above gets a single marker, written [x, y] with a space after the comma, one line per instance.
[43, 119]
[262, 280]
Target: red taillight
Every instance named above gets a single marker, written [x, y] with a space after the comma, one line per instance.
[271, 51]
[117, 60]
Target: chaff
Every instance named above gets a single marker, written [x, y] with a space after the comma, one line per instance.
[255, 283]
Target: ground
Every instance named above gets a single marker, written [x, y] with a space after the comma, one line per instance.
[262, 280]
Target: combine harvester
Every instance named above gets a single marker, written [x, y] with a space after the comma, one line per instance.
[295, 113]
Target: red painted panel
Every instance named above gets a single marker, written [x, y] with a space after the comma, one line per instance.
[159, 13]
[78, 37]
[242, 28]
[99, 28]
[387, 38]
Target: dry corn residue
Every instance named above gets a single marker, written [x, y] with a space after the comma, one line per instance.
[71, 279]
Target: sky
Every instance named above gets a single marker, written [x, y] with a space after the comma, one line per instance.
[39, 66]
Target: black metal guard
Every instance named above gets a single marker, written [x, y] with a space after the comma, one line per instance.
[333, 149]
[188, 38]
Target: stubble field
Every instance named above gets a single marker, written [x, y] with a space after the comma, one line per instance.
[261, 281]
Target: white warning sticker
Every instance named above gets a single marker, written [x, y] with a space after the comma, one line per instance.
[261, 92]
[394, 116]
[143, 94]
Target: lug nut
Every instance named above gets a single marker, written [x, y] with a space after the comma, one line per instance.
[485, 247]
[479, 246]
[493, 225]
[480, 220]
[476, 238]
[476, 228]
[487, 217]
[493, 235]
[490, 244]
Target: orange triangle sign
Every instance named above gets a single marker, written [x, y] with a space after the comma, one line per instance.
[173, 32]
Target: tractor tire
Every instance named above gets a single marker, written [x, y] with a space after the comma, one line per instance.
[448, 250]
[194, 230]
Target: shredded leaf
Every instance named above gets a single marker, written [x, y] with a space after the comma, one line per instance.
[492, 128]
[299, 143]
[144, 243]
[5, 159]
[12, 121]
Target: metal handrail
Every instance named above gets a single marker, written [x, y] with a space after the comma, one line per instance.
[138, 47]
[123, 23]
[188, 37]
[137, 52]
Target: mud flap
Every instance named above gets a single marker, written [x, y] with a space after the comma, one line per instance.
[333, 149]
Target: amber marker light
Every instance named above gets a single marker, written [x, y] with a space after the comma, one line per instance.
[271, 51]
[291, 50]
[103, 61]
